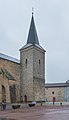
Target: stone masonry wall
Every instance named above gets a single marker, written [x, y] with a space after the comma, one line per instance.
[14, 69]
[26, 57]
[32, 73]
[58, 93]
[39, 73]
[4, 82]
[39, 89]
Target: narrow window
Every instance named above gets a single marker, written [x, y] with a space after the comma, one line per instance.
[39, 65]
[26, 63]
[52, 92]
[39, 61]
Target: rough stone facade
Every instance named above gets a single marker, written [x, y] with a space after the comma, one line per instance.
[32, 73]
[26, 57]
[57, 92]
[39, 73]
[5, 83]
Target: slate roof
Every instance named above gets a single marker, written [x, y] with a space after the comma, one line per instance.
[51, 85]
[9, 58]
[32, 37]
[29, 45]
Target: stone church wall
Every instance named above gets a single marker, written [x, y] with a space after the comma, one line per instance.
[39, 89]
[14, 69]
[39, 73]
[27, 74]
[33, 73]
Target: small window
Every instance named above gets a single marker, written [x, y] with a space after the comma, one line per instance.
[26, 61]
[39, 61]
[53, 92]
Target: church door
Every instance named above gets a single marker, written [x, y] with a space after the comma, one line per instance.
[25, 98]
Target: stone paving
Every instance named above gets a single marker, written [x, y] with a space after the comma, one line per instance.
[36, 113]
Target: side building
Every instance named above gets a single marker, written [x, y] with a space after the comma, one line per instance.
[58, 90]
[9, 79]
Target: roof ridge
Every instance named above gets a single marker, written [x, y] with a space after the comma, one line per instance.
[4, 56]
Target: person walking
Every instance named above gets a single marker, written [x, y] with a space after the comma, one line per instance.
[4, 104]
[54, 100]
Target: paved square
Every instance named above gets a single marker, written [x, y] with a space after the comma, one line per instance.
[37, 113]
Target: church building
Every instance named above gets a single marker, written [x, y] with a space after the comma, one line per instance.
[24, 80]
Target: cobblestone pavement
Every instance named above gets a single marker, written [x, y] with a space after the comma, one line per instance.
[37, 113]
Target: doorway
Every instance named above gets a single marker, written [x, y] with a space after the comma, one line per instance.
[25, 98]
[3, 93]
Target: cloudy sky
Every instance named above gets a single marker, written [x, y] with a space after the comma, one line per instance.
[52, 24]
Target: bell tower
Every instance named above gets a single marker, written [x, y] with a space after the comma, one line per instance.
[32, 60]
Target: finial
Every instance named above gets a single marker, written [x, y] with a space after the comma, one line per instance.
[32, 10]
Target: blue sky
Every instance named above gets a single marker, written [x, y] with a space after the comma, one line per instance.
[52, 25]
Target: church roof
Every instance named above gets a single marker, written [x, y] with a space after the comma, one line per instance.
[29, 45]
[32, 36]
[53, 85]
[9, 58]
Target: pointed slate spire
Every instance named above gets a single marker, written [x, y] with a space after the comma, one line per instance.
[32, 36]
